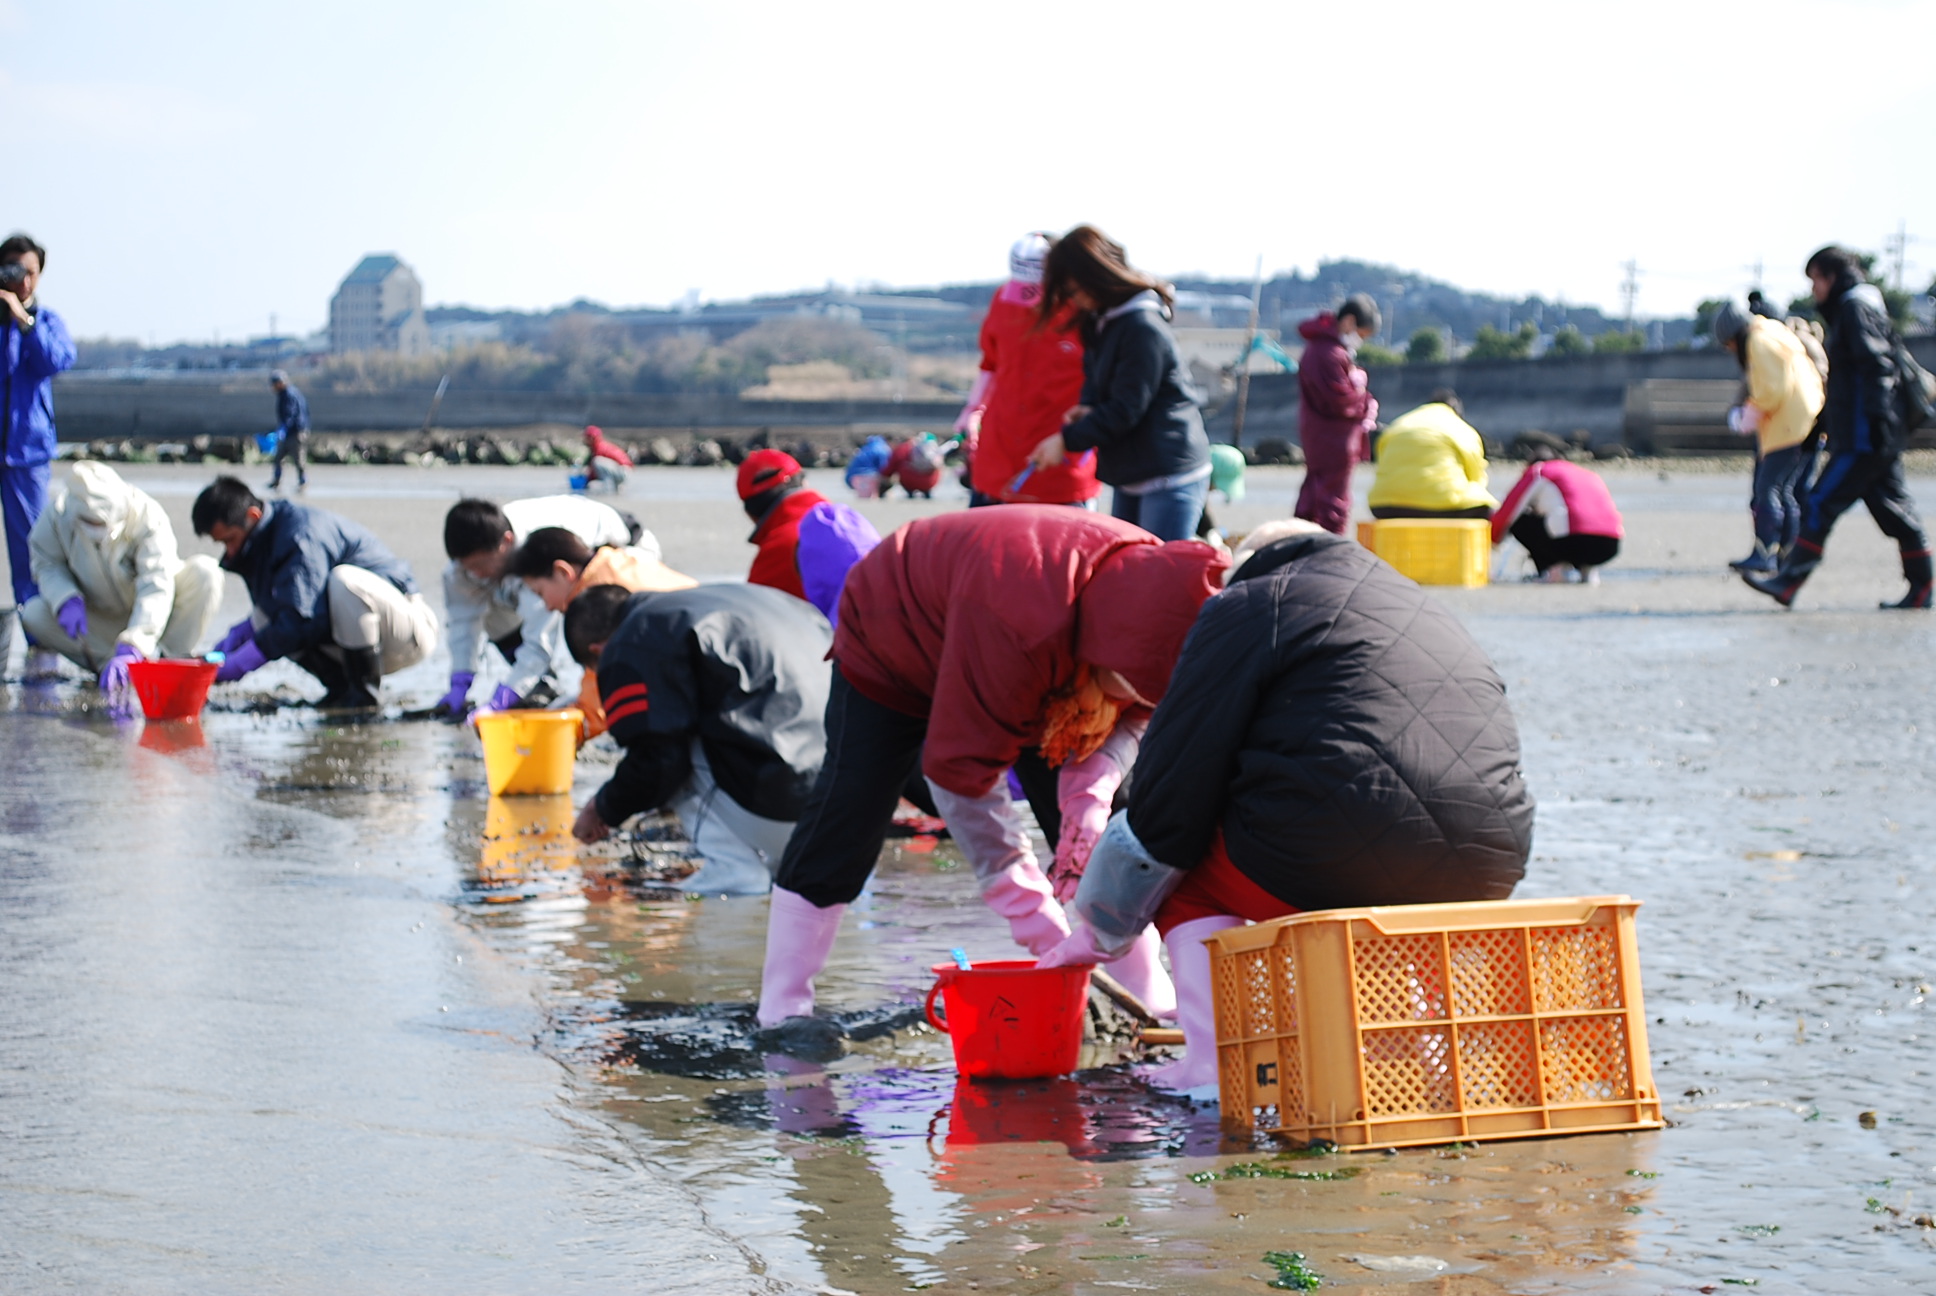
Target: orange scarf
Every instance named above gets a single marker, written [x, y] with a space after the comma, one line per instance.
[1079, 718]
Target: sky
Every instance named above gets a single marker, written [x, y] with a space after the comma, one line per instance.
[199, 167]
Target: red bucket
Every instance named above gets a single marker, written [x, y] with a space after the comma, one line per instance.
[1010, 1020]
[171, 689]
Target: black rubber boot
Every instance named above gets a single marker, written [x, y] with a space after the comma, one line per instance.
[1800, 564]
[362, 674]
[327, 670]
[1916, 567]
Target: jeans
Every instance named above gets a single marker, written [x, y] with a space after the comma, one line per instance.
[1777, 513]
[1168, 513]
[23, 495]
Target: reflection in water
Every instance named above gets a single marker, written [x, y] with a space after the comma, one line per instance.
[528, 849]
[173, 736]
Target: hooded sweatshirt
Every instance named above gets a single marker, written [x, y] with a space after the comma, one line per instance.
[1337, 405]
[1037, 371]
[113, 545]
[974, 620]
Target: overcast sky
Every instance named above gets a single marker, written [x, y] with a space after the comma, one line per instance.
[196, 166]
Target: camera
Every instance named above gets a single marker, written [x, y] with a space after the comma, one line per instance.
[12, 275]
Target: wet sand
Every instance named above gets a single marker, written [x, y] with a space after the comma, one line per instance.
[293, 1006]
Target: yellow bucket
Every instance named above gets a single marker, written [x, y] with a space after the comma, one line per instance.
[528, 752]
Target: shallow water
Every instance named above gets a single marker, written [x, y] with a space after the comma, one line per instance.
[295, 1007]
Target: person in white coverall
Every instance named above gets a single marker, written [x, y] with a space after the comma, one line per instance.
[113, 586]
[484, 602]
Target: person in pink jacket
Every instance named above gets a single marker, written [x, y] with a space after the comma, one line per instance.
[1564, 515]
[1337, 410]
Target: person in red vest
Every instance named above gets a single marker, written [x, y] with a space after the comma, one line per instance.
[609, 463]
[1031, 373]
[806, 541]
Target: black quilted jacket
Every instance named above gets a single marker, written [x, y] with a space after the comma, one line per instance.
[1345, 732]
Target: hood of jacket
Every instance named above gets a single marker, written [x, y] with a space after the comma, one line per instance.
[1320, 327]
[1135, 612]
[101, 501]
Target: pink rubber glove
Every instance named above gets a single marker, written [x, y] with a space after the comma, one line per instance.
[72, 616]
[241, 632]
[1085, 789]
[114, 679]
[244, 659]
[1079, 947]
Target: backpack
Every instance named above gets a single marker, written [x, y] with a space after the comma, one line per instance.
[1916, 389]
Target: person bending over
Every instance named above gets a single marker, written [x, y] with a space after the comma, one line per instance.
[1564, 515]
[716, 695]
[557, 566]
[114, 588]
[324, 593]
[484, 602]
[606, 460]
[806, 542]
[1332, 737]
[970, 644]
[1431, 464]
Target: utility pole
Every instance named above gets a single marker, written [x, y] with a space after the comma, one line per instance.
[1630, 288]
[1897, 248]
[1243, 357]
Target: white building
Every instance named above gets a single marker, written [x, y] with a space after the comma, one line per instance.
[379, 307]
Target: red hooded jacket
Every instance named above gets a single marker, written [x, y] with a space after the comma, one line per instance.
[603, 449]
[1336, 404]
[974, 619]
[778, 535]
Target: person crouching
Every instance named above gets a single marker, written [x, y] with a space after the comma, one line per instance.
[325, 593]
[1332, 737]
[716, 694]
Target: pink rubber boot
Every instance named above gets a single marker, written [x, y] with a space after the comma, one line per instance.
[799, 937]
[1139, 971]
[1196, 1008]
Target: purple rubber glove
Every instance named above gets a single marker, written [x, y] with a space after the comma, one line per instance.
[241, 632]
[244, 659]
[73, 617]
[453, 702]
[114, 679]
[503, 698]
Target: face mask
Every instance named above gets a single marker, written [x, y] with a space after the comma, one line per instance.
[1351, 342]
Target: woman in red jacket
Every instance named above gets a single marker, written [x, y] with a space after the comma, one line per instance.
[968, 642]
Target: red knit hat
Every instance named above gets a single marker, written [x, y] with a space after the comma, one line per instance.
[763, 470]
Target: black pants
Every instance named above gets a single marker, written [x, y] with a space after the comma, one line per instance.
[294, 445]
[872, 752]
[1548, 550]
[1400, 511]
[1874, 479]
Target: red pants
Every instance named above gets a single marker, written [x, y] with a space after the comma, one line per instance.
[1325, 497]
[1216, 887]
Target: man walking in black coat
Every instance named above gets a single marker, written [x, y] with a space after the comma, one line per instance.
[1866, 433]
[1332, 737]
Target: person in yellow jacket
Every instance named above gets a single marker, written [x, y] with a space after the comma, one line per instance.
[1784, 398]
[1432, 463]
[557, 566]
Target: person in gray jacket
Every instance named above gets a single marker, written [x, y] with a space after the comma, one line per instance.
[718, 695]
[1138, 410]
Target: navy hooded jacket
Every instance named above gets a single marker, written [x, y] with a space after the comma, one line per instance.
[29, 359]
[285, 562]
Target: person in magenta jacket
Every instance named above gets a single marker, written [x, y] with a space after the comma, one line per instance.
[1565, 517]
[1337, 410]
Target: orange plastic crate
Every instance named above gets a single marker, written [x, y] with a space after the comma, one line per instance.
[1413, 1024]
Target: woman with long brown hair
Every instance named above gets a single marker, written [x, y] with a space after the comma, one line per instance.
[1138, 410]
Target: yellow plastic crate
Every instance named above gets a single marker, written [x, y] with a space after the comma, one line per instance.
[1436, 551]
[1414, 1024]
[1367, 535]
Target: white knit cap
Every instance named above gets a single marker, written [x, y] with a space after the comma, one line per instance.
[1025, 258]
